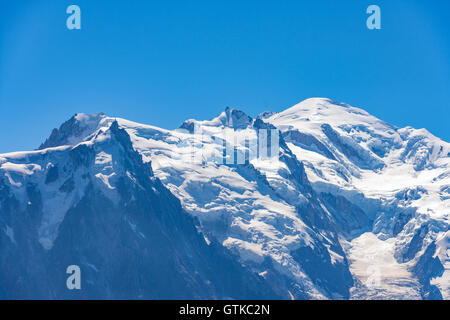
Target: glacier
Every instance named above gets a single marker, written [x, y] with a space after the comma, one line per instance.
[350, 208]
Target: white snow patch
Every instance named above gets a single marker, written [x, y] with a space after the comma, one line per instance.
[372, 262]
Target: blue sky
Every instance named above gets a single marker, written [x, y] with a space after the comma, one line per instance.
[161, 62]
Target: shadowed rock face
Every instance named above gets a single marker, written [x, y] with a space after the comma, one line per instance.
[427, 268]
[348, 218]
[235, 119]
[307, 141]
[317, 262]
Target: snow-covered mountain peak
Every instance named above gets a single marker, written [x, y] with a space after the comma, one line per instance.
[230, 118]
[323, 110]
[340, 131]
[233, 118]
[87, 119]
[76, 129]
[60, 175]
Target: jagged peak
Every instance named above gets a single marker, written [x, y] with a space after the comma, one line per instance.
[75, 130]
[230, 117]
[266, 114]
[235, 118]
[85, 117]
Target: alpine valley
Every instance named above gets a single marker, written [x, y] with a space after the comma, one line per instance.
[351, 208]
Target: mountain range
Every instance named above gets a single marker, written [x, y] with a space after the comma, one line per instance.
[348, 207]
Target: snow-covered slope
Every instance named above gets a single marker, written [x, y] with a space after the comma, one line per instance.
[348, 207]
[399, 176]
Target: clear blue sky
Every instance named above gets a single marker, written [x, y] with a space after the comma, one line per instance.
[161, 62]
